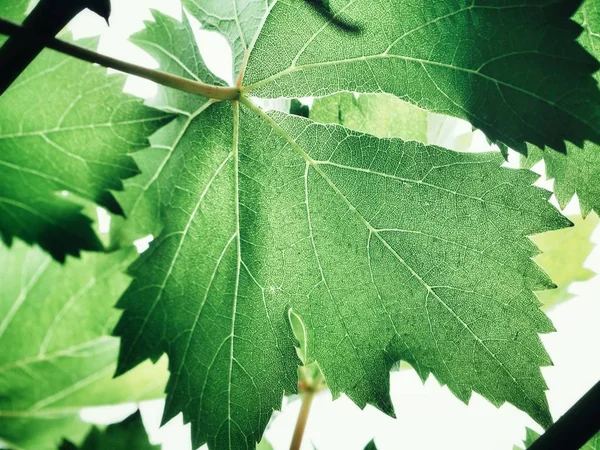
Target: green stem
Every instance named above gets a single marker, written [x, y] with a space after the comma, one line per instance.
[162, 78]
[307, 398]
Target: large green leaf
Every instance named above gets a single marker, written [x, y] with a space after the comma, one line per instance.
[511, 68]
[385, 249]
[66, 126]
[565, 252]
[57, 356]
[386, 116]
[126, 435]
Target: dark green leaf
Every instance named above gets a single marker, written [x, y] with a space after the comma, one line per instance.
[126, 435]
[512, 69]
[564, 254]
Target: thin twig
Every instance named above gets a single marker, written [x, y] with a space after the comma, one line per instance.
[307, 398]
[162, 78]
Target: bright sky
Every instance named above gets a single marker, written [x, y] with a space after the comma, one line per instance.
[428, 416]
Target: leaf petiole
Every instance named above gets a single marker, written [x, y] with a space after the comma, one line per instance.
[162, 78]
[311, 382]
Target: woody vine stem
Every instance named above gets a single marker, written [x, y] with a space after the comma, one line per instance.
[311, 381]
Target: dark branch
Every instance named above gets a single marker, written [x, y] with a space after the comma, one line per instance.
[46, 20]
[577, 426]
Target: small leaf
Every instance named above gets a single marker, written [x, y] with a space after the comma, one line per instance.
[299, 330]
[381, 115]
[564, 254]
[129, 434]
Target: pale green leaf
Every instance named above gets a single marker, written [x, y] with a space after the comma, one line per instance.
[512, 69]
[264, 445]
[57, 356]
[563, 257]
[384, 116]
[239, 21]
[371, 445]
[126, 435]
[66, 126]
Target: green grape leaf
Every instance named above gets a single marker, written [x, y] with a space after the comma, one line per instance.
[531, 436]
[66, 126]
[384, 116]
[269, 212]
[513, 69]
[578, 171]
[129, 434]
[371, 445]
[57, 356]
[172, 44]
[563, 257]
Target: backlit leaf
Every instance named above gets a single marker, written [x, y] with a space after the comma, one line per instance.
[57, 356]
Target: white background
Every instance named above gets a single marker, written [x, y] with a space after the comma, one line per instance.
[428, 416]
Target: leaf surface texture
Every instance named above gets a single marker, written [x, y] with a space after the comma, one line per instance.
[65, 126]
[268, 212]
[530, 84]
